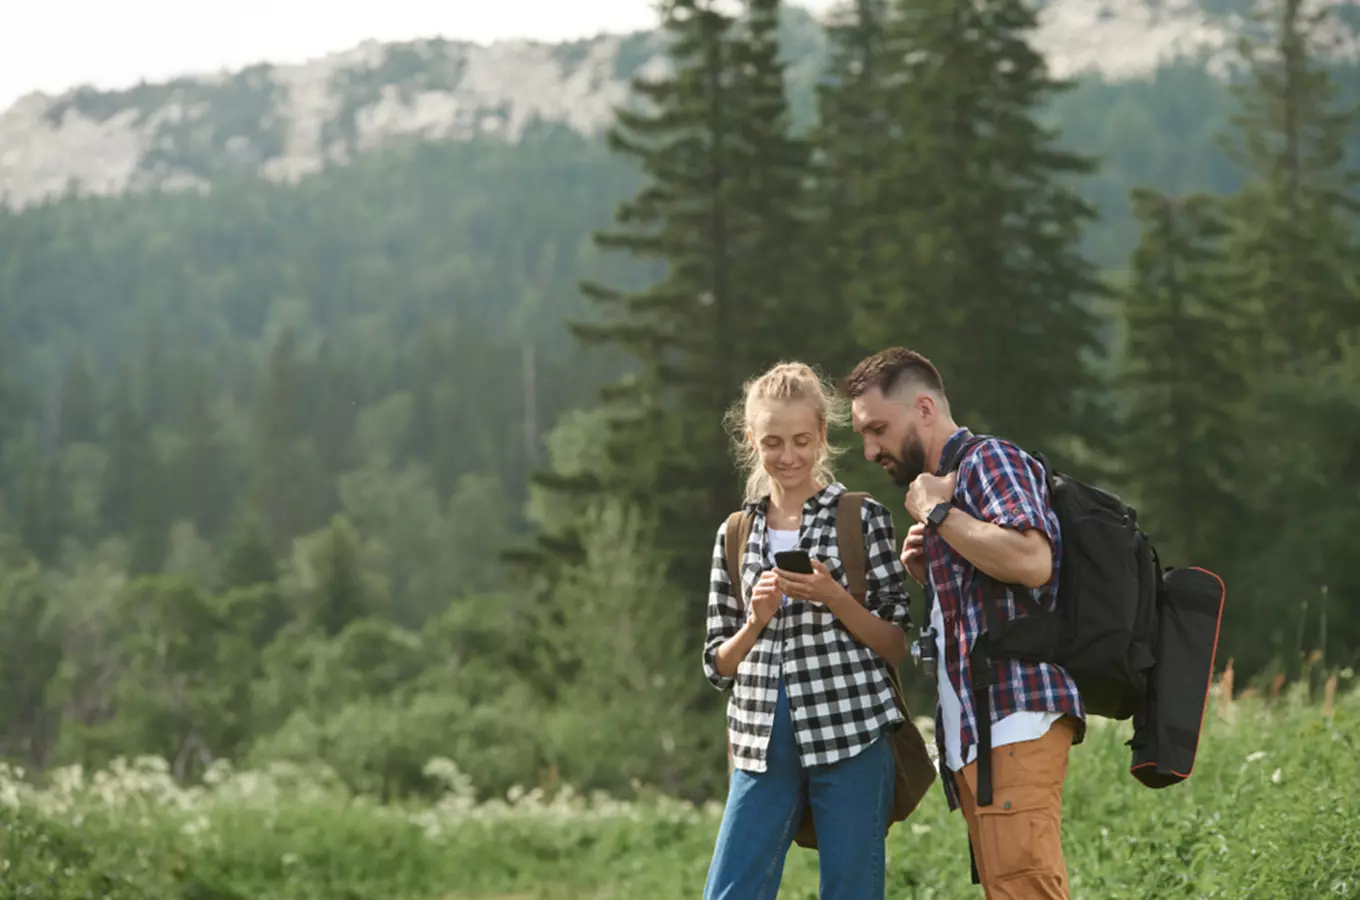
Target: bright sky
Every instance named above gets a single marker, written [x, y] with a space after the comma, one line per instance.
[55, 45]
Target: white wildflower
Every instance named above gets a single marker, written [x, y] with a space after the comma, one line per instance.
[219, 772]
[196, 826]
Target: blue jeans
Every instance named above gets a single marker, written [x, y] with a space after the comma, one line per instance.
[850, 799]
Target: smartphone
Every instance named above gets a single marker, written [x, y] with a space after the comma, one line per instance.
[794, 561]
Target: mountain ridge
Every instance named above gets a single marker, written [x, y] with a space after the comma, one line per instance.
[284, 122]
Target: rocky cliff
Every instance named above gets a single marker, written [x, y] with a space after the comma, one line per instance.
[284, 122]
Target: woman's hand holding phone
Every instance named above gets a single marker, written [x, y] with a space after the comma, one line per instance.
[817, 587]
[765, 598]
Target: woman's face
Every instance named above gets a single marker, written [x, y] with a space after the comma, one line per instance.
[789, 439]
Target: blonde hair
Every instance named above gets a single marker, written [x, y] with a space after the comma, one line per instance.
[785, 382]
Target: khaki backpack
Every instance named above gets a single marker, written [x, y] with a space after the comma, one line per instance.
[914, 770]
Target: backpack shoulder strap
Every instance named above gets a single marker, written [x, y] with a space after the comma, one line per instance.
[850, 540]
[956, 459]
[738, 531]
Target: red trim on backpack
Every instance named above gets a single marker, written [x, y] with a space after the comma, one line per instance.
[1213, 657]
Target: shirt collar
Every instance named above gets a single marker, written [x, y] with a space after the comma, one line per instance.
[827, 496]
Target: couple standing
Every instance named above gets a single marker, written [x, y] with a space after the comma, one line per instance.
[806, 662]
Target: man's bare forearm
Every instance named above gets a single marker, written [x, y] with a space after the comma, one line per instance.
[1008, 555]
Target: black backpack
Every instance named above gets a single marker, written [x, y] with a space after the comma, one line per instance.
[1103, 629]
[1138, 641]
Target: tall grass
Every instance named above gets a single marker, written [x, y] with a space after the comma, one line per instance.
[1270, 812]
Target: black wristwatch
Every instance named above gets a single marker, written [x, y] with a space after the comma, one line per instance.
[938, 513]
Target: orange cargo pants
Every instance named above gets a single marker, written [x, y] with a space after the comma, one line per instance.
[1017, 840]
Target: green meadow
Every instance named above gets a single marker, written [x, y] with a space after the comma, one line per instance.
[1270, 812]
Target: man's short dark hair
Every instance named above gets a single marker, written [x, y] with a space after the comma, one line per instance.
[887, 369]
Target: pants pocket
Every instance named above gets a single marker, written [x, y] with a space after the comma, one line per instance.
[1021, 832]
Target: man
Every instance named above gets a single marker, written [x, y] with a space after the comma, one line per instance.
[991, 517]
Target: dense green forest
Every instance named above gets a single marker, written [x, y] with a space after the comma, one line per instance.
[424, 455]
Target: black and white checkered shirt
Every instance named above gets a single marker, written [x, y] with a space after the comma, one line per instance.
[838, 689]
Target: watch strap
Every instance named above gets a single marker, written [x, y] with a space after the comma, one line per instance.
[938, 512]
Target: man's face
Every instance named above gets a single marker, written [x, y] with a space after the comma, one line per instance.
[891, 429]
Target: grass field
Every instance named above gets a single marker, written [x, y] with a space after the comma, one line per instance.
[1273, 811]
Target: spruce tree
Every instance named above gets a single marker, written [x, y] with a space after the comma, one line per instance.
[342, 594]
[334, 395]
[204, 477]
[134, 503]
[722, 208]
[45, 513]
[79, 403]
[1293, 237]
[31, 655]
[290, 494]
[1294, 258]
[1294, 266]
[249, 561]
[129, 469]
[990, 281]
[1182, 374]
[155, 385]
[860, 247]
[771, 206]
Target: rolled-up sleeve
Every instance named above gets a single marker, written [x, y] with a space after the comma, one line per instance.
[725, 615]
[884, 576]
[1008, 488]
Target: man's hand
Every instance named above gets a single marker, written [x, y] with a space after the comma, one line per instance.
[914, 553]
[927, 492]
[819, 587]
[765, 599]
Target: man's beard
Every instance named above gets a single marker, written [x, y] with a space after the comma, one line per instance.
[907, 464]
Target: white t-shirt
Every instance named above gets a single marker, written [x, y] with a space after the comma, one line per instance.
[781, 540]
[1025, 725]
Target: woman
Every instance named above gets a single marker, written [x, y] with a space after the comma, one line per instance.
[805, 662]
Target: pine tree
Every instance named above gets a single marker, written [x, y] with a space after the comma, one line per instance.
[342, 594]
[1294, 266]
[1182, 373]
[771, 207]
[860, 252]
[134, 503]
[334, 397]
[204, 477]
[249, 561]
[31, 655]
[45, 515]
[290, 493]
[1294, 259]
[723, 208]
[990, 281]
[156, 386]
[79, 403]
[1293, 238]
[17, 406]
